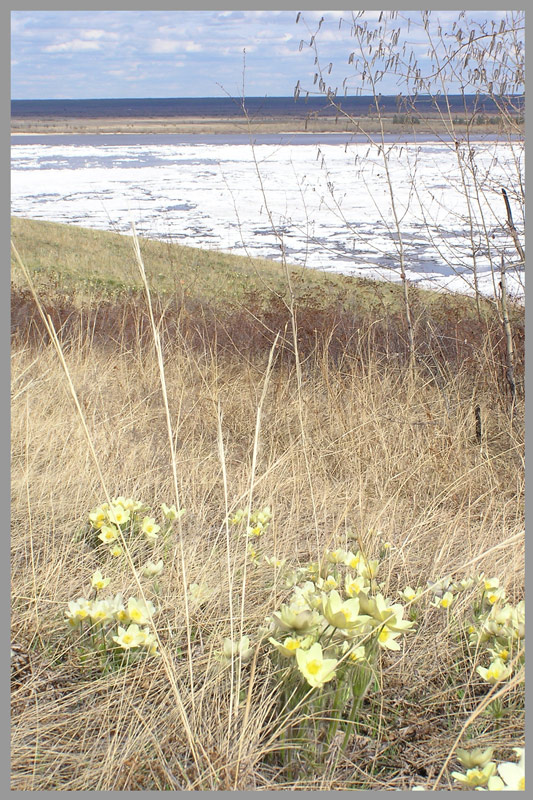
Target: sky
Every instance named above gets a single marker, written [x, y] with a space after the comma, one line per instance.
[112, 54]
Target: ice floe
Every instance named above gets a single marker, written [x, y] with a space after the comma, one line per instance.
[327, 206]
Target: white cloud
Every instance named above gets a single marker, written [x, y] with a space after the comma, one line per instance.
[174, 46]
[193, 47]
[274, 36]
[237, 49]
[316, 16]
[94, 34]
[74, 46]
[163, 46]
[287, 51]
[264, 13]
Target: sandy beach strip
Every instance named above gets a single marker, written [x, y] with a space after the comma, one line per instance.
[21, 126]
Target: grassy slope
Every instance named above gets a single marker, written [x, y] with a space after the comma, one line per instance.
[99, 263]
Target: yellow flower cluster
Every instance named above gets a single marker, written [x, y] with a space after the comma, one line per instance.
[503, 627]
[256, 522]
[481, 771]
[110, 609]
[110, 614]
[499, 625]
[343, 609]
[126, 515]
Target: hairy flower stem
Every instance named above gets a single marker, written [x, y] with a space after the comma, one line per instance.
[337, 710]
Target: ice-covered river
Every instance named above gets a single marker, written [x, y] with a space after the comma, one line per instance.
[330, 201]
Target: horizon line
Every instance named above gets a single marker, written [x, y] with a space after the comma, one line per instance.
[256, 97]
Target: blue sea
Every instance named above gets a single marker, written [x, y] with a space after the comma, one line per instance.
[227, 107]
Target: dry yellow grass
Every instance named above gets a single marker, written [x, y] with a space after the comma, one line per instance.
[359, 447]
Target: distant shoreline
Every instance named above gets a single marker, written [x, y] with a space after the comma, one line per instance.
[21, 126]
[261, 115]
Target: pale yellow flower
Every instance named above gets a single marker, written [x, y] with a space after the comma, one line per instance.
[118, 610]
[410, 595]
[313, 570]
[150, 642]
[474, 758]
[255, 530]
[352, 586]
[463, 585]
[387, 639]
[290, 579]
[289, 620]
[118, 515]
[200, 592]
[443, 602]
[381, 611]
[341, 614]
[116, 550]
[497, 671]
[507, 622]
[150, 529]
[440, 587]
[288, 647]
[277, 563]
[352, 560]
[492, 596]
[501, 616]
[108, 534]
[119, 501]
[316, 669]
[329, 583]
[518, 620]
[336, 556]
[150, 570]
[495, 784]
[265, 515]
[512, 775]
[78, 610]
[98, 581]
[254, 555]
[477, 776]
[140, 612]
[132, 505]
[500, 651]
[354, 653]
[132, 637]
[98, 517]
[305, 596]
[240, 648]
[171, 512]
[368, 568]
[237, 517]
[101, 611]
